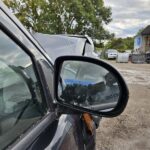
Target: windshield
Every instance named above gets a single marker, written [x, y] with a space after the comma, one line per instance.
[112, 51]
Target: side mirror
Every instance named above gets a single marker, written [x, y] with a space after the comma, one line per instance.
[89, 85]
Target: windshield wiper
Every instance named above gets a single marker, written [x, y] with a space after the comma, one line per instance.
[21, 113]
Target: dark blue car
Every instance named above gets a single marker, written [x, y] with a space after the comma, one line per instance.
[34, 113]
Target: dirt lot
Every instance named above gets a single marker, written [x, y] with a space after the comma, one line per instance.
[131, 130]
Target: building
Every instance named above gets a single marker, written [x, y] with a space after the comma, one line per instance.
[142, 41]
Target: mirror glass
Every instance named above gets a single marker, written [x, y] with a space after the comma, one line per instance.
[88, 85]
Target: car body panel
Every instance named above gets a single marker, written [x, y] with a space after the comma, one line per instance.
[61, 45]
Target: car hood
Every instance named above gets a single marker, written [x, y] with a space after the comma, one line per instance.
[60, 45]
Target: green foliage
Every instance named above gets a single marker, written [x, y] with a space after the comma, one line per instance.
[97, 49]
[121, 44]
[140, 30]
[63, 16]
[99, 46]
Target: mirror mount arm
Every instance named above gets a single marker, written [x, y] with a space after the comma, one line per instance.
[61, 109]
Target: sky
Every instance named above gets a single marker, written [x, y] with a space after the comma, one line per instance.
[128, 16]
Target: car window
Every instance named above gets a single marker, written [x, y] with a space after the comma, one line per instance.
[21, 103]
[112, 51]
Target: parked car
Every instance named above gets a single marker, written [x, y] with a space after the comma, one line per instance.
[61, 45]
[35, 112]
[111, 53]
[138, 57]
[147, 57]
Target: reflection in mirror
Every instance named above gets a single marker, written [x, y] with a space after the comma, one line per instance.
[88, 85]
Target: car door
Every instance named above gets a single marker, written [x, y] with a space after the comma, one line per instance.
[71, 130]
[28, 120]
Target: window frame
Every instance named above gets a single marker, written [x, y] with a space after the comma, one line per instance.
[36, 70]
[35, 52]
[8, 33]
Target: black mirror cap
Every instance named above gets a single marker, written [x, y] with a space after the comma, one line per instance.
[124, 95]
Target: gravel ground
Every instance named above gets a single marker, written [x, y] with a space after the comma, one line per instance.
[130, 130]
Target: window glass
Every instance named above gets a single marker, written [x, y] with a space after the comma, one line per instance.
[21, 103]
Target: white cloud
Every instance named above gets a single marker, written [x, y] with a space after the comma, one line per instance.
[128, 16]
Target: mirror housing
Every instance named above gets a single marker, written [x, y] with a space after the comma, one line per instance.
[105, 111]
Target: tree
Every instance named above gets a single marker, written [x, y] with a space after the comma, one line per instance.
[63, 16]
[139, 31]
[129, 42]
[121, 44]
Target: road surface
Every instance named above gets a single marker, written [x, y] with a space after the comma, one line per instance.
[131, 130]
